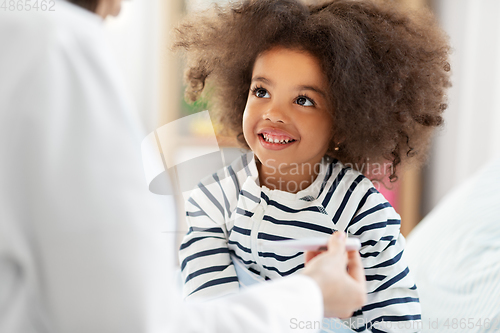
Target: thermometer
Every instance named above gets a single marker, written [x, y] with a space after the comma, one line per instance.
[316, 244]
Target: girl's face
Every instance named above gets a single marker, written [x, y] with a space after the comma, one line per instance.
[286, 120]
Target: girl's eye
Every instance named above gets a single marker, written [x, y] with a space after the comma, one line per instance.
[261, 93]
[304, 101]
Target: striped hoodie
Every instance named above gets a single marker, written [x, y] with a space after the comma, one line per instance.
[230, 217]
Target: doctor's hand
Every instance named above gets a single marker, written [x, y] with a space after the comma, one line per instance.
[340, 276]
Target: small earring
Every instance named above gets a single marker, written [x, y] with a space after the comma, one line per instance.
[337, 147]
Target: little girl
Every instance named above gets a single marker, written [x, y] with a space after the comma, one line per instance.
[311, 89]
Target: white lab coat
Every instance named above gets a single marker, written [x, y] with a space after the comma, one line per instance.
[82, 241]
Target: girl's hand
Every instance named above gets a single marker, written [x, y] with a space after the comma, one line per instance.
[340, 276]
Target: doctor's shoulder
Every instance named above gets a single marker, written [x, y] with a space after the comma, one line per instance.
[63, 17]
[35, 33]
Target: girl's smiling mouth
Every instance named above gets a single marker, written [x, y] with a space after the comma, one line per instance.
[275, 139]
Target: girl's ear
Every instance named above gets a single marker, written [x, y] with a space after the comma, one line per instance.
[336, 142]
[336, 138]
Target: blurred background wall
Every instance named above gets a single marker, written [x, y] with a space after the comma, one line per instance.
[470, 138]
[135, 36]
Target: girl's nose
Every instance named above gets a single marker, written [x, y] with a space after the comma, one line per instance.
[275, 114]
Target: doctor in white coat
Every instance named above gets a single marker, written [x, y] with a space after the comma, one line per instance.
[81, 242]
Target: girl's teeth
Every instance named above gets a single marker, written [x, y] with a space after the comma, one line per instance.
[268, 139]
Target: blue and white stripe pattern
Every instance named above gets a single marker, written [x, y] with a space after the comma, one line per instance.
[229, 214]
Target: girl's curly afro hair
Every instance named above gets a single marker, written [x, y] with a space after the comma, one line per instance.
[387, 69]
